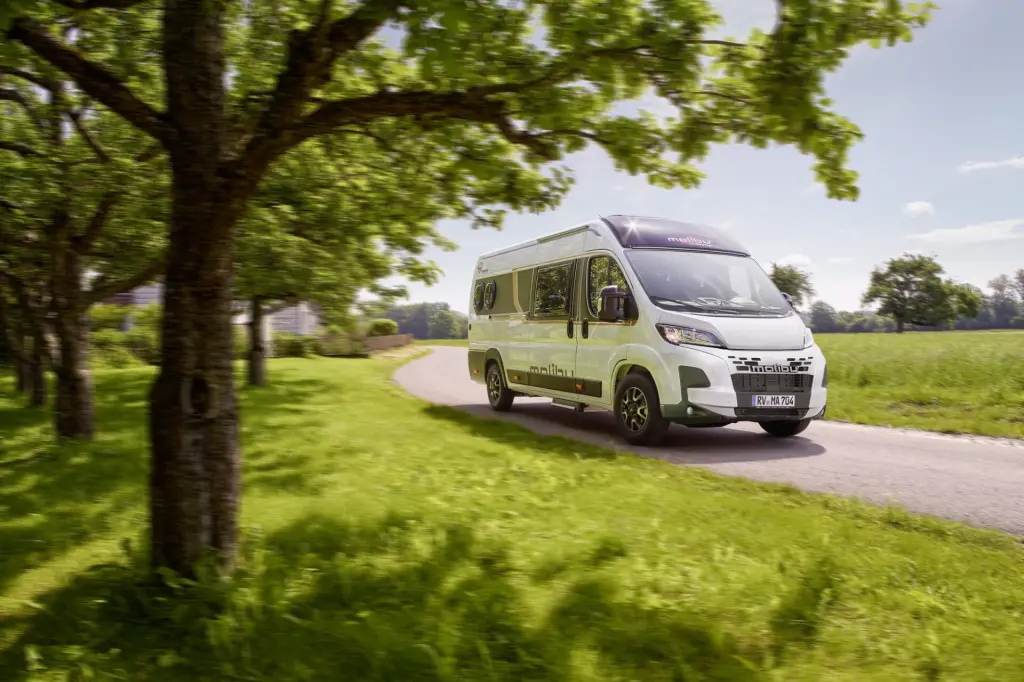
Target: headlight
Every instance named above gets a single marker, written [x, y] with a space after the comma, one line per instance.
[687, 336]
[808, 338]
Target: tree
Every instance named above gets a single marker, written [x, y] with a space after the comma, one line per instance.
[443, 325]
[911, 290]
[824, 319]
[68, 219]
[504, 106]
[1003, 301]
[793, 281]
[1018, 284]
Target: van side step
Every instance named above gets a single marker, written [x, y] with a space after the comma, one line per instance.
[569, 404]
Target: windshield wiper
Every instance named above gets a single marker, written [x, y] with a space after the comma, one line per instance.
[694, 306]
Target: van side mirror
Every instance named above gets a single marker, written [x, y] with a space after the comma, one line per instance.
[613, 304]
[789, 299]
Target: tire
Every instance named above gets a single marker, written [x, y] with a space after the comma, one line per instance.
[498, 394]
[785, 429]
[636, 396]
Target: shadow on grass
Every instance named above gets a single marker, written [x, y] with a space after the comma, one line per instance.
[597, 428]
[392, 600]
[55, 498]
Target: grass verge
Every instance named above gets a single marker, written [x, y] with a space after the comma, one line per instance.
[393, 540]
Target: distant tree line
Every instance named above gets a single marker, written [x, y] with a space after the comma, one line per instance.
[428, 320]
[910, 292]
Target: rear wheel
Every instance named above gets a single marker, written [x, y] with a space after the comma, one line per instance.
[498, 393]
[785, 429]
[638, 411]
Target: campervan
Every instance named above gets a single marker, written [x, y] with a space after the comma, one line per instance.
[656, 320]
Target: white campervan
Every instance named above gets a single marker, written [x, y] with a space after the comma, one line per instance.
[656, 320]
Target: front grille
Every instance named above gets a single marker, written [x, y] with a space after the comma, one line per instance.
[772, 383]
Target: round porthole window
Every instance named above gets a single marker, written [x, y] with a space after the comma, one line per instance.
[490, 294]
[478, 297]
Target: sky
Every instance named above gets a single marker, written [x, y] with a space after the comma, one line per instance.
[941, 168]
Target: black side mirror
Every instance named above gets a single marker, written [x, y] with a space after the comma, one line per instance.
[789, 299]
[613, 304]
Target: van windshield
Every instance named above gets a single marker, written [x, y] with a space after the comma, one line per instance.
[708, 283]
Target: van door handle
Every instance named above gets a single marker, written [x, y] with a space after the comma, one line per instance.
[568, 328]
[586, 329]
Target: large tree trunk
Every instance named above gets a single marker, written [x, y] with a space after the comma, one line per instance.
[74, 416]
[195, 475]
[257, 344]
[899, 325]
[37, 367]
[73, 408]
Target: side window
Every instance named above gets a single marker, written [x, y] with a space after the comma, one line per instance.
[601, 272]
[553, 290]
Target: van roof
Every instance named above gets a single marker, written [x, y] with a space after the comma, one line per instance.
[633, 231]
[641, 231]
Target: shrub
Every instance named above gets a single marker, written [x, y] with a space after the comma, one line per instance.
[382, 327]
[109, 348]
[107, 317]
[287, 345]
[147, 317]
[338, 344]
[144, 344]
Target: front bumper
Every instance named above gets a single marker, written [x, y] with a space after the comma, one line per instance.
[719, 386]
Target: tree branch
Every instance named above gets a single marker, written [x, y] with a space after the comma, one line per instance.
[76, 120]
[103, 288]
[18, 148]
[99, 4]
[93, 79]
[10, 206]
[10, 95]
[311, 54]
[24, 75]
[472, 104]
[94, 229]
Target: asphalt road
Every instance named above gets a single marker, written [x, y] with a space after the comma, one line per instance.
[972, 479]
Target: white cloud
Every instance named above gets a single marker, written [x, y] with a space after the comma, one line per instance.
[836, 260]
[1014, 162]
[1000, 230]
[797, 260]
[917, 209]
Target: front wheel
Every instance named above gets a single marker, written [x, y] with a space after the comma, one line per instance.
[498, 393]
[785, 429]
[638, 411]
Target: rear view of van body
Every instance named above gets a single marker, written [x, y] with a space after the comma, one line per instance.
[658, 321]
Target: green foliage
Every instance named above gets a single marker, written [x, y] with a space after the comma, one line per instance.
[791, 280]
[287, 345]
[107, 317]
[382, 327]
[429, 320]
[911, 290]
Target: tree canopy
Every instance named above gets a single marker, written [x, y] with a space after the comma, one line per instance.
[911, 290]
[793, 281]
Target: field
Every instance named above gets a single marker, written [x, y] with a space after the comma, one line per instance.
[956, 382]
[953, 382]
[392, 540]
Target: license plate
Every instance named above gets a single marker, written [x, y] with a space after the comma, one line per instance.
[773, 401]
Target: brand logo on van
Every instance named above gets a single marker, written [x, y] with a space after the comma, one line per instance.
[769, 369]
[551, 369]
[691, 241]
